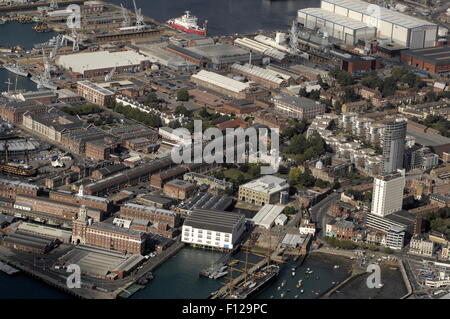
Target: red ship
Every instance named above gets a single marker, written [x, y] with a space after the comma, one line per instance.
[188, 23]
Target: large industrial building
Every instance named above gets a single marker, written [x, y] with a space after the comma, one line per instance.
[433, 60]
[337, 26]
[211, 228]
[221, 84]
[298, 107]
[350, 20]
[100, 63]
[262, 191]
[266, 77]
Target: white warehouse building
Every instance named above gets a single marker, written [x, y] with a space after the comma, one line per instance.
[217, 229]
[390, 25]
[335, 25]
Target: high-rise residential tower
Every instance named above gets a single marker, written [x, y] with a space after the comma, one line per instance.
[388, 193]
[393, 145]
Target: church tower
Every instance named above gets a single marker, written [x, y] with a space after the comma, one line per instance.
[79, 227]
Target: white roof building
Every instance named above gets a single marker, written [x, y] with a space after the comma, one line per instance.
[260, 48]
[267, 215]
[390, 25]
[266, 74]
[268, 184]
[82, 62]
[221, 81]
[281, 220]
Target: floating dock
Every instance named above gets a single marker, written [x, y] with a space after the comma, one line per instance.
[8, 269]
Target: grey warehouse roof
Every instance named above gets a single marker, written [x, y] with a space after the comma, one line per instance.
[214, 220]
[334, 18]
[385, 14]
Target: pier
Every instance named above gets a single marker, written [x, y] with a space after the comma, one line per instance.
[235, 281]
[8, 269]
[34, 5]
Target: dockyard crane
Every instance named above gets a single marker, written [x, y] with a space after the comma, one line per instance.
[76, 44]
[110, 75]
[293, 38]
[55, 49]
[9, 84]
[140, 24]
[54, 4]
[126, 17]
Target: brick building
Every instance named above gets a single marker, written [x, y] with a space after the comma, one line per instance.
[179, 189]
[14, 111]
[158, 180]
[94, 93]
[53, 207]
[10, 189]
[299, 107]
[433, 60]
[106, 236]
[151, 213]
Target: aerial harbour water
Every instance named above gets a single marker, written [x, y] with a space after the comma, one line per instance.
[228, 16]
[179, 276]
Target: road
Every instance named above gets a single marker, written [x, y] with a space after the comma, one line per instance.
[320, 210]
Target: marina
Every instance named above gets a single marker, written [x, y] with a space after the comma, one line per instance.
[112, 92]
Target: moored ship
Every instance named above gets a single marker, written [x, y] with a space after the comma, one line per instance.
[260, 280]
[16, 69]
[188, 23]
[18, 169]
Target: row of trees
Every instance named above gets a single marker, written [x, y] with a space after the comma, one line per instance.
[305, 179]
[82, 109]
[302, 149]
[388, 85]
[348, 244]
[438, 123]
[150, 119]
[439, 221]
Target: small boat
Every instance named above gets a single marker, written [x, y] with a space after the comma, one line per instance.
[302, 291]
[2, 20]
[282, 295]
[296, 296]
[293, 273]
[336, 266]
[333, 282]
[283, 283]
[380, 286]
[219, 274]
[299, 283]
[317, 278]
[41, 27]
[279, 288]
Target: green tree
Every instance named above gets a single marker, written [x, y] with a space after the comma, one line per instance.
[183, 95]
[289, 210]
[181, 110]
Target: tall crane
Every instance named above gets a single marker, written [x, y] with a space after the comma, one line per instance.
[55, 48]
[110, 75]
[54, 4]
[140, 24]
[9, 84]
[126, 17]
[293, 38]
[76, 44]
